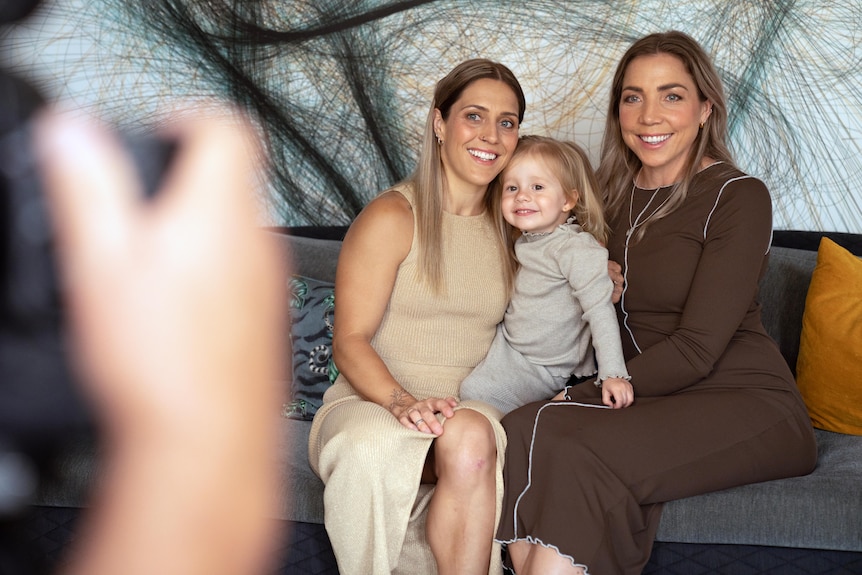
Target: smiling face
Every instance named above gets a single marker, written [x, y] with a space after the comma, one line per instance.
[479, 135]
[533, 198]
[660, 113]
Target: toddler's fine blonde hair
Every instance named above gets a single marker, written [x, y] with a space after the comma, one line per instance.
[571, 166]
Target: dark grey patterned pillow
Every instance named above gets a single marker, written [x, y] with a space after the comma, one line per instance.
[312, 304]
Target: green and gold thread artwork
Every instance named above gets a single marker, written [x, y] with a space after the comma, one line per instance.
[340, 89]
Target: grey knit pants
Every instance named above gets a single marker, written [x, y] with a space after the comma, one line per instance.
[507, 380]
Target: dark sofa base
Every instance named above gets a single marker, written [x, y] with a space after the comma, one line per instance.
[39, 540]
[307, 551]
[711, 559]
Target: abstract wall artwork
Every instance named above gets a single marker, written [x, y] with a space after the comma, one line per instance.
[340, 89]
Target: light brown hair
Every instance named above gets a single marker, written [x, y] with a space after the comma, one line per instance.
[619, 164]
[428, 180]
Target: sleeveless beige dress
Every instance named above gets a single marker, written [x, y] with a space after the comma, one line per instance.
[375, 507]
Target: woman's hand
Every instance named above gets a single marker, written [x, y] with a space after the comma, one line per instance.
[615, 271]
[422, 415]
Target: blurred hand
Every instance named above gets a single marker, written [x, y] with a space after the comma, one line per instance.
[176, 320]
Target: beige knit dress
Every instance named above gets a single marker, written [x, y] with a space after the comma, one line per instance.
[375, 507]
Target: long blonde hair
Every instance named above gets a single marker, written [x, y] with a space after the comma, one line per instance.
[619, 164]
[428, 180]
[571, 166]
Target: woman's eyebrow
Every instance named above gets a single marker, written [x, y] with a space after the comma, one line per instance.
[484, 109]
[672, 86]
[661, 88]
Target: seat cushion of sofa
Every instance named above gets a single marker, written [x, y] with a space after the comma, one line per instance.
[822, 510]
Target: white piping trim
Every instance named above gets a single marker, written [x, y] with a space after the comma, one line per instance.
[718, 199]
[623, 295]
[705, 231]
[530, 478]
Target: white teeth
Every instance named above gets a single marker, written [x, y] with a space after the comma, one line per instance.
[483, 155]
[654, 139]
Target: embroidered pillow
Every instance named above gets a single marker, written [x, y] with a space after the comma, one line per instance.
[312, 305]
[829, 368]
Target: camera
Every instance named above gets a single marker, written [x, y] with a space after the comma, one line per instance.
[38, 393]
[41, 405]
[40, 402]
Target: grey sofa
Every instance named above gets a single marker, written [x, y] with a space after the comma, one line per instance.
[821, 512]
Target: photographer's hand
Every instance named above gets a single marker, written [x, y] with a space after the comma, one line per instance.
[176, 315]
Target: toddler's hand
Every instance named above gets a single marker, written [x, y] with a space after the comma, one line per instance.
[617, 393]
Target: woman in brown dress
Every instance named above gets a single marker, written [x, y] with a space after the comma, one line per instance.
[715, 403]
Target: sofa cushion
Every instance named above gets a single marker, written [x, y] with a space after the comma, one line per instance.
[782, 295]
[817, 511]
[315, 259]
[312, 307]
[829, 370]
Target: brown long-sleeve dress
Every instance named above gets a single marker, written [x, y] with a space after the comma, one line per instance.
[715, 403]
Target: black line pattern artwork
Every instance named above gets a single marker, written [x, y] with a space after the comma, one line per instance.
[340, 89]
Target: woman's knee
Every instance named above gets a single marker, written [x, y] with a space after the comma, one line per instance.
[467, 447]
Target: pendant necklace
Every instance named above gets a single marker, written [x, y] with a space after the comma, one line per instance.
[633, 225]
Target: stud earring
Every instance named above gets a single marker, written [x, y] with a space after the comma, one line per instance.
[701, 125]
[439, 141]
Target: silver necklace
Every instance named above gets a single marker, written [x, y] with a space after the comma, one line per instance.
[633, 225]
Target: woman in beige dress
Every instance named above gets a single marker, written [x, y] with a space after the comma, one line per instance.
[414, 476]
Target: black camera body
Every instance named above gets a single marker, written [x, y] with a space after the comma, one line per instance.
[42, 408]
[38, 397]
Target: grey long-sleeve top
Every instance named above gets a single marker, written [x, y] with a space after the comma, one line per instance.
[562, 303]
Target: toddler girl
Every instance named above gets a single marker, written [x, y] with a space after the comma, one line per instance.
[561, 310]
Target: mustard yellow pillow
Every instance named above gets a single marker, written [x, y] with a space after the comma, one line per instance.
[829, 368]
